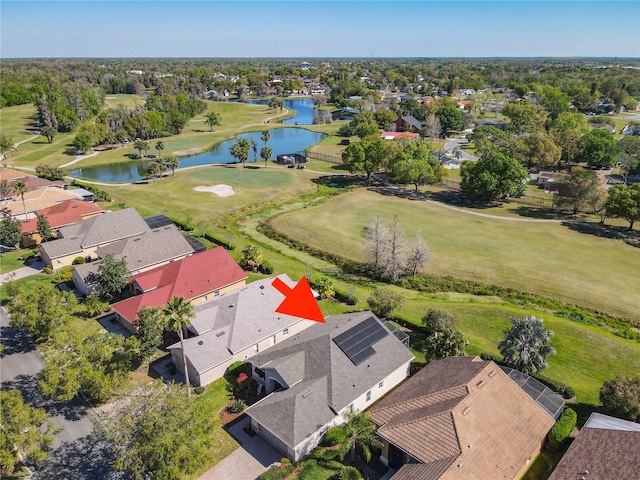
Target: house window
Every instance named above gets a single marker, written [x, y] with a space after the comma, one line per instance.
[272, 340]
[368, 397]
[285, 332]
[255, 348]
[216, 293]
[381, 384]
[259, 373]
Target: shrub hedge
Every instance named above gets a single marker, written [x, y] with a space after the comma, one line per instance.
[562, 429]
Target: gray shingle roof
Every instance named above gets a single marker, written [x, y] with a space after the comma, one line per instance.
[333, 380]
[142, 251]
[98, 230]
[246, 316]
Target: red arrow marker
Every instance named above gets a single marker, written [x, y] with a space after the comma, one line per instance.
[299, 301]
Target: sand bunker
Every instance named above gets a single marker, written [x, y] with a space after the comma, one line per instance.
[189, 151]
[219, 190]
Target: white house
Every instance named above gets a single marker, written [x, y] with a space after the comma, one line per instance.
[313, 378]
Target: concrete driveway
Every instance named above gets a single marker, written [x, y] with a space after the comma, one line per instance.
[75, 453]
[35, 267]
[249, 461]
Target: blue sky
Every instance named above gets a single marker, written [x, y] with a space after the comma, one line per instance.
[157, 28]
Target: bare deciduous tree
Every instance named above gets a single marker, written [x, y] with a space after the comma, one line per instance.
[433, 126]
[396, 263]
[419, 254]
[376, 246]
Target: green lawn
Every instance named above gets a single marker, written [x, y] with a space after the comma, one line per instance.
[18, 122]
[10, 261]
[214, 399]
[547, 259]
[175, 195]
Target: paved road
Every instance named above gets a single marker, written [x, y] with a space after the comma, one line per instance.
[453, 143]
[75, 454]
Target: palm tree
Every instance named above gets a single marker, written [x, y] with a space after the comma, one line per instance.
[19, 189]
[525, 345]
[254, 146]
[265, 153]
[266, 136]
[172, 163]
[360, 431]
[240, 149]
[140, 145]
[179, 313]
[159, 147]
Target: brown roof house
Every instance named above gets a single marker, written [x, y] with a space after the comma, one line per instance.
[314, 377]
[460, 418]
[607, 448]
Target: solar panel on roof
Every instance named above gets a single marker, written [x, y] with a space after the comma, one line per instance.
[357, 342]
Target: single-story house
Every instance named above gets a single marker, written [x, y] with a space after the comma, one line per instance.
[84, 238]
[547, 180]
[492, 122]
[197, 278]
[460, 418]
[32, 182]
[316, 376]
[408, 122]
[604, 126]
[606, 448]
[399, 135]
[291, 159]
[631, 129]
[234, 327]
[59, 215]
[34, 200]
[142, 252]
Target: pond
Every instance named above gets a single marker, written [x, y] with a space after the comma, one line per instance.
[302, 106]
[283, 140]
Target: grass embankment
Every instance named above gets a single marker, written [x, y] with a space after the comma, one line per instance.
[547, 259]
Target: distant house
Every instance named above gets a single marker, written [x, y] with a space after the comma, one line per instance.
[399, 135]
[606, 448]
[197, 278]
[408, 122]
[492, 122]
[630, 129]
[59, 215]
[460, 418]
[547, 180]
[142, 252]
[604, 126]
[462, 104]
[234, 327]
[317, 91]
[34, 200]
[313, 378]
[291, 159]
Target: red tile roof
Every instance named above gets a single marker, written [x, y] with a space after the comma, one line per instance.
[63, 213]
[394, 135]
[190, 277]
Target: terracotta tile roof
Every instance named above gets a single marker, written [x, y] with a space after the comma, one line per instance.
[35, 200]
[32, 181]
[605, 454]
[189, 277]
[465, 408]
[421, 471]
[63, 213]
